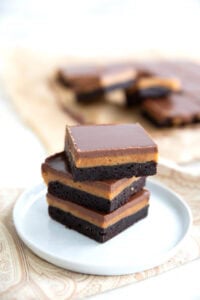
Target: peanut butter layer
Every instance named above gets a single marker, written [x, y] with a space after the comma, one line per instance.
[103, 220]
[172, 84]
[117, 75]
[114, 160]
[55, 169]
[108, 145]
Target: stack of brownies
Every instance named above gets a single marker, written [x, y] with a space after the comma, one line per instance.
[96, 185]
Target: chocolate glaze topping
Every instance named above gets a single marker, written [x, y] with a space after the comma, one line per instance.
[99, 140]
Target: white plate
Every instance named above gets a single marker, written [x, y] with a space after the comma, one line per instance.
[148, 243]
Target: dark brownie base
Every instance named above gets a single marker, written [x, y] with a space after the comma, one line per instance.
[96, 94]
[65, 192]
[139, 96]
[154, 92]
[133, 98]
[94, 232]
[89, 97]
[112, 172]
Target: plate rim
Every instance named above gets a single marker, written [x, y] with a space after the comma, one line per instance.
[83, 267]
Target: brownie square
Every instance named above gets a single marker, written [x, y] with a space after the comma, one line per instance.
[151, 87]
[91, 82]
[99, 152]
[173, 111]
[96, 225]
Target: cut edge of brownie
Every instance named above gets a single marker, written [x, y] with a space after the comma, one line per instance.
[88, 200]
[168, 122]
[164, 123]
[111, 172]
[92, 231]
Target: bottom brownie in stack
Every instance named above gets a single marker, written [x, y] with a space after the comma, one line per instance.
[98, 209]
[97, 225]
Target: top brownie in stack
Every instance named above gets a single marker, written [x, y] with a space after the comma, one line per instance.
[99, 152]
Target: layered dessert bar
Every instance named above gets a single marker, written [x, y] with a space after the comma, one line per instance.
[148, 86]
[106, 195]
[97, 225]
[100, 152]
[172, 111]
[90, 82]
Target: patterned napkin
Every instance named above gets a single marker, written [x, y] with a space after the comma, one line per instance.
[23, 275]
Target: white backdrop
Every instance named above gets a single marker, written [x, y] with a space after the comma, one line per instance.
[102, 27]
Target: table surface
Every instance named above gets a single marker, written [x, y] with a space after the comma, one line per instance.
[21, 26]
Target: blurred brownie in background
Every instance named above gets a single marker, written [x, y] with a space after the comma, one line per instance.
[151, 84]
[90, 82]
[175, 110]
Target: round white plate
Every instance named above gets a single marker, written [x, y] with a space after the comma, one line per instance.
[146, 244]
